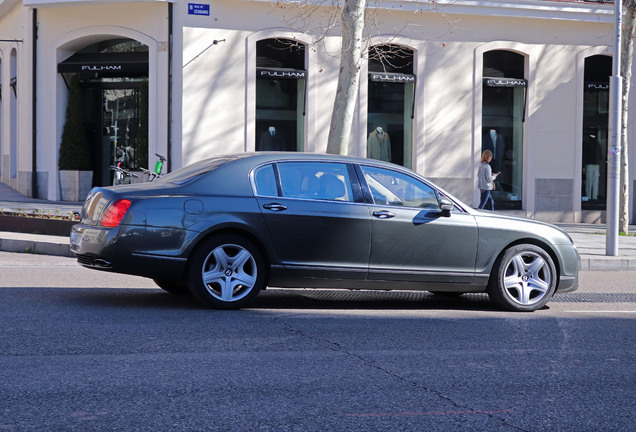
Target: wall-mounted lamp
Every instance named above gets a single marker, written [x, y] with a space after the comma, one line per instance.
[214, 42]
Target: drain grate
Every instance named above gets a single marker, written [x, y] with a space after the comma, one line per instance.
[595, 298]
[417, 296]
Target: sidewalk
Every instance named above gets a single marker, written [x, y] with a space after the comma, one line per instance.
[590, 239]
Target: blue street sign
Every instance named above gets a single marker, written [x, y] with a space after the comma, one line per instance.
[198, 9]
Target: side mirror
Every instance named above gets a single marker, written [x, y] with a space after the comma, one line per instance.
[446, 206]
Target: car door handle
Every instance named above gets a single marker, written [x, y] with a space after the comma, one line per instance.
[275, 207]
[383, 214]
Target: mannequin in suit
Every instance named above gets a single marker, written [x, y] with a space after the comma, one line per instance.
[379, 145]
[592, 157]
[494, 142]
[271, 140]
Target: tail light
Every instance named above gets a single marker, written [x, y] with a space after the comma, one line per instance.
[115, 213]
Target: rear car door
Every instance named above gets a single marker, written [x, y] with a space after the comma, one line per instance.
[411, 239]
[318, 224]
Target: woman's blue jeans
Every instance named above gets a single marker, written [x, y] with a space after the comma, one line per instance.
[486, 197]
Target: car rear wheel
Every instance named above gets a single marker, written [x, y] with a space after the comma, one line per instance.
[175, 287]
[523, 279]
[226, 272]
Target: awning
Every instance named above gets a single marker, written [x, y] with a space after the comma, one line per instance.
[107, 64]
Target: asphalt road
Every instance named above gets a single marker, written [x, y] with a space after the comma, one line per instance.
[82, 350]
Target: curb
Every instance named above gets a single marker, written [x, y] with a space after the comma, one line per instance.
[35, 243]
[605, 263]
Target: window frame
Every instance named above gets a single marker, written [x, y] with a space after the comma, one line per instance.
[439, 194]
[353, 187]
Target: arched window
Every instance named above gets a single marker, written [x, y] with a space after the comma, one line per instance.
[503, 114]
[280, 95]
[598, 68]
[391, 104]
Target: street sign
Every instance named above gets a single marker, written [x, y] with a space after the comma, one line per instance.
[198, 9]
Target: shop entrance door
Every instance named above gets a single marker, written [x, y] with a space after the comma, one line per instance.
[503, 117]
[115, 129]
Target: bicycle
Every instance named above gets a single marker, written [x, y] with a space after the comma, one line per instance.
[151, 175]
[121, 174]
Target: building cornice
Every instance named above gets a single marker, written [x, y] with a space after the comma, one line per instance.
[54, 3]
[535, 9]
[540, 9]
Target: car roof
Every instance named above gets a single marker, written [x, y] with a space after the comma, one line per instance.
[233, 170]
[263, 157]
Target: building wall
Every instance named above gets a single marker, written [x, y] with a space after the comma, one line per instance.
[15, 122]
[62, 34]
[213, 82]
[449, 50]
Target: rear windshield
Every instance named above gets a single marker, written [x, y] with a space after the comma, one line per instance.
[187, 173]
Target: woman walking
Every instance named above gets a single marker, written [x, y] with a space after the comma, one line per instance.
[486, 180]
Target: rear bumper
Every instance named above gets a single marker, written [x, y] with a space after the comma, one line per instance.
[134, 250]
[152, 266]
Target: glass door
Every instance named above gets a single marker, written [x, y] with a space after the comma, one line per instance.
[595, 132]
[503, 116]
[115, 129]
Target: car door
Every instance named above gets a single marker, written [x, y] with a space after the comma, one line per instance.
[412, 240]
[318, 224]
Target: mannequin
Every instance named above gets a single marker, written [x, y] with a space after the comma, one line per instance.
[379, 145]
[494, 142]
[592, 157]
[271, 140]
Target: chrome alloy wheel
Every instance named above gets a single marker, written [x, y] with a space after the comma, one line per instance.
[527, 278]
[229, 272]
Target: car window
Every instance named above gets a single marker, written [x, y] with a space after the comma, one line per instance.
[194, 170]
[397, 189]
[315, 180]
[265, 181]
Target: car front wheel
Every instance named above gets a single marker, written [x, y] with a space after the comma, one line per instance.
[226, 272]
[523, 279]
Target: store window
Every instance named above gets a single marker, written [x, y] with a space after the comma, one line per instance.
[114, 79]
[595, 130]
[503, 115]
[280, 95]
[391, 104]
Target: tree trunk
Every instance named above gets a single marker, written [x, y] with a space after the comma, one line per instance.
[348, 78]
[627, 50]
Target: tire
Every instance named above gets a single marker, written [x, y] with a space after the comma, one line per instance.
[226, 272]
[175, 287]
[523, 279]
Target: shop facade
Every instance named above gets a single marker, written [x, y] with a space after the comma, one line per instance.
[527, 80]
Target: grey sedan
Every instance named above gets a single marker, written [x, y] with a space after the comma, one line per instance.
[225, 228]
